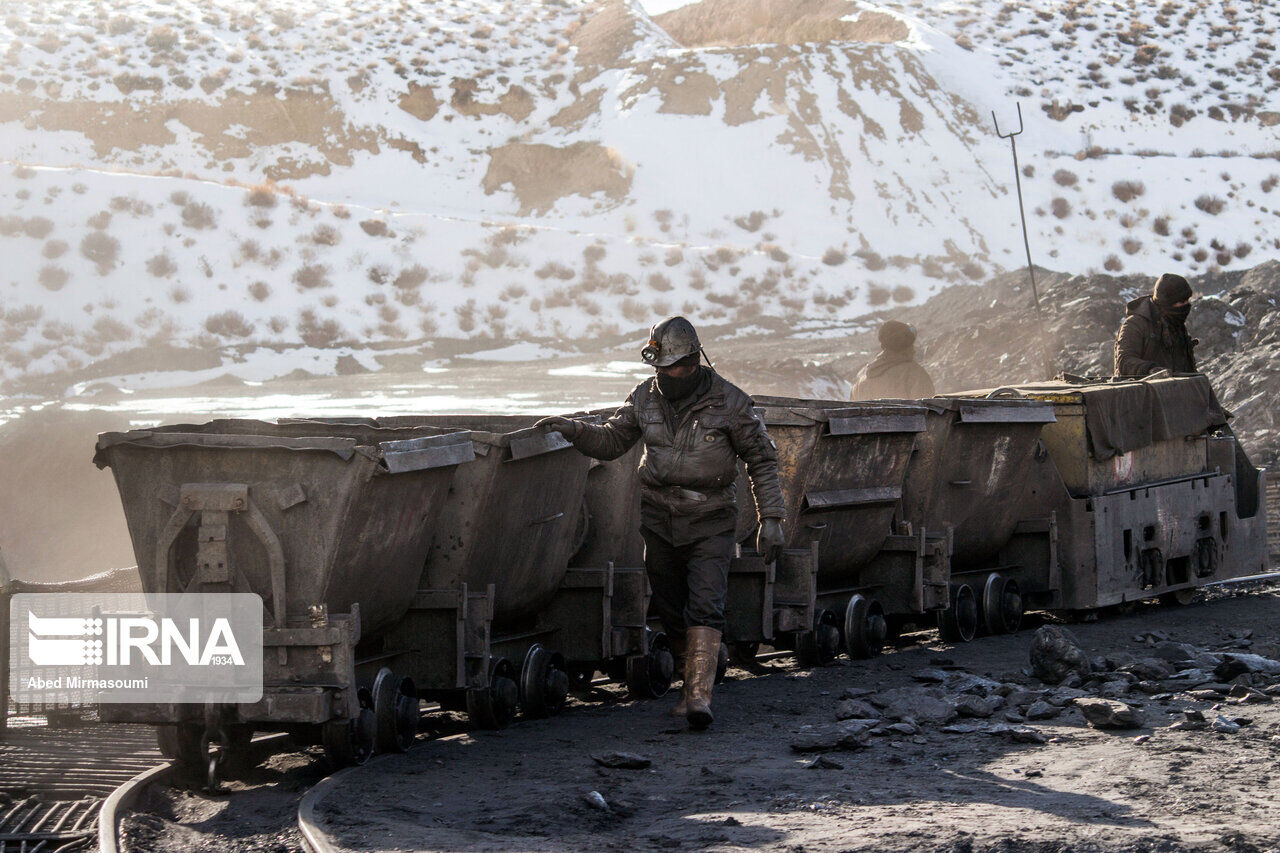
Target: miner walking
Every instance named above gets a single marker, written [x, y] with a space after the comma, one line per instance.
[1154, 333]
[695, 426]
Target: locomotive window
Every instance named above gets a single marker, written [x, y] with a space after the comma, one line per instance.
[1222, 525]
[1128, 545]
[1149, 532]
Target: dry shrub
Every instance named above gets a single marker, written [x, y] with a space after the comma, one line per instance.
[374, 227]
[1269, 183]
[972, 269]
[23, 173]
[379, 273]
[1130, 245]
[198, 215]
[466, 316]
[54, 249]
[162, 38]
[871, 260]
[902, 293]
[877, 295]
[108, 330]
[228, 324]
[53, 277]
[100, 220]
[180, 198]
[259, 290]
[1242, 250]
[1061, 208]
[180, 295]
[552, 269]
[1210, 204]
[1126, 191]
[311, 276]
[316, 332]
[659, 282]
[326, 235]
[11, 226]
[750, 222]
[101, 250]
[1161, 226]
[833, 257]
[1065, 178]
[37, 227]
[593, 253]
[412, 278]
[673, 257]
[161, 266]
[1200, 254]
[261, 195]
[776, 253]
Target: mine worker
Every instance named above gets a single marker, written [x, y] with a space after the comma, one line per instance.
[1154, 334]
[695, 426]
[894, 374]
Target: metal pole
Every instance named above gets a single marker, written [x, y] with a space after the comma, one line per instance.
[5, 651]
[1026, 243]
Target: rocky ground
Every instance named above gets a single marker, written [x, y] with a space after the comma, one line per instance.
[1159, 731]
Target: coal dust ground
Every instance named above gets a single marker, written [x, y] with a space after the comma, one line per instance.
[948, 788]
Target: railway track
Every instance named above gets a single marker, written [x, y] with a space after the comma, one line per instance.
[55, 780]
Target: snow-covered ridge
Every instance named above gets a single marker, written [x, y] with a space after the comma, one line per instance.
[319, 174]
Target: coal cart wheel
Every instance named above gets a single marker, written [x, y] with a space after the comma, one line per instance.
[959, 622]
[865, 629]
[349, 743]
[495, 706]
[722, 663]
[395, 710]
[544, 683]
[1178, 598]
[1001, 604]
[820, 645]
[1011, 606]
[649, 676]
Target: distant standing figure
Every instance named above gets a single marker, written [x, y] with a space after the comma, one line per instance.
[1154, 334]
[894, 374]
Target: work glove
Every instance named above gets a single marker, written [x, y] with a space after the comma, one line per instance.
[770, 539]
[567, 427]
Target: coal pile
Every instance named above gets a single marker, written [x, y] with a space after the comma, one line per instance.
[983, 336]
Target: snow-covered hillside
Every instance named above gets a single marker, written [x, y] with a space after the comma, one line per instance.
[318, 174]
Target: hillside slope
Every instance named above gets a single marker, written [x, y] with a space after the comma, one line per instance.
[193, 176]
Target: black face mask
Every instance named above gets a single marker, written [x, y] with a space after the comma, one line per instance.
[1177, 314]
[677, 389]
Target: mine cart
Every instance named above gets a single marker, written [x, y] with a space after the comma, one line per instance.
[330, 525]
[971, 475]
[1152, 493]
[505, 576]
[841, 467]
[56, 713]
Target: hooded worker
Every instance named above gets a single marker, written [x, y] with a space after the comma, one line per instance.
[894, 374]
[695, 427]
[1154, 334]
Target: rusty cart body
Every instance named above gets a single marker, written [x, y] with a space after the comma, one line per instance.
[972, 475]
[329, 524]
[841, 467]
[546, 604]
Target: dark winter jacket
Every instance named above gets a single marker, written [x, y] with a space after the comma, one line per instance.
[691, 451]
[893, 375]
[1148, 341]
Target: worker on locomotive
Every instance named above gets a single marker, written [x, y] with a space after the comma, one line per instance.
[695, 426]
[1154, 333]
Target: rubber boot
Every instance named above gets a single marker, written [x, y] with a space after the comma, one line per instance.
[700, 674]
[678, 650]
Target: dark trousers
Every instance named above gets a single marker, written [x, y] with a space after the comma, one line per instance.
[689, 581]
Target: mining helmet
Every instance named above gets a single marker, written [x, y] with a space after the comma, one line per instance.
[669, 341]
